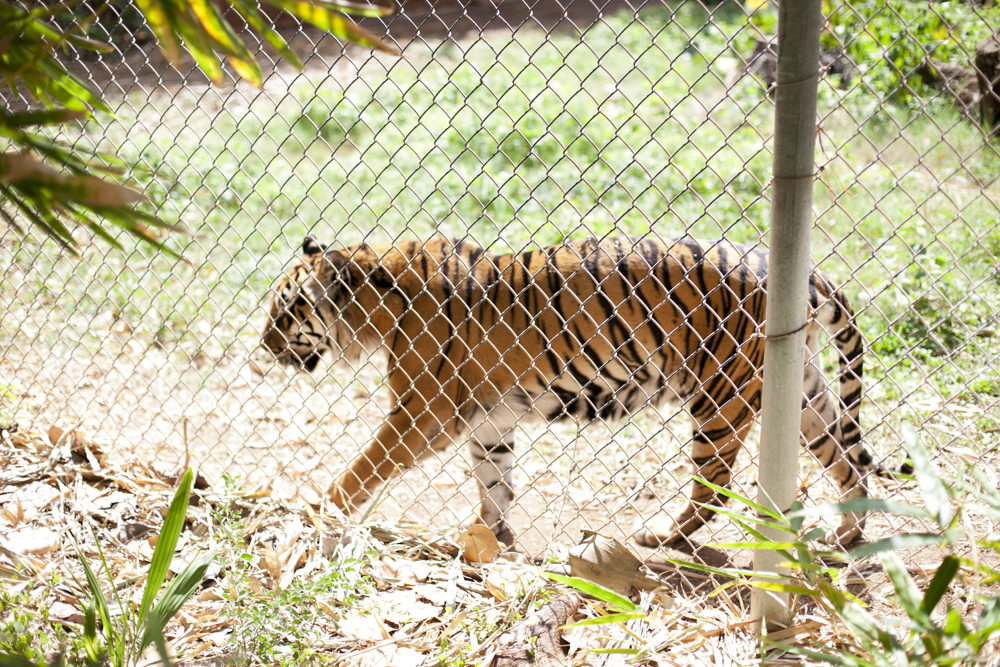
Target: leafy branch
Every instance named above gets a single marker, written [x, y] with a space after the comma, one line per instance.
[46, 182]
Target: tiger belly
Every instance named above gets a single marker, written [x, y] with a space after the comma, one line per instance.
[613, 392]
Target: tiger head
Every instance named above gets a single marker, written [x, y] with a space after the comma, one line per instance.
[310, 309]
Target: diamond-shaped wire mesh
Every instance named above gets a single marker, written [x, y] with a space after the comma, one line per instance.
[512, 127]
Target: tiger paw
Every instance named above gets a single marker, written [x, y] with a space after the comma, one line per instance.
[850, 529]
[660, 531]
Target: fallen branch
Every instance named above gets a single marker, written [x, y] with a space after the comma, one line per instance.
[537, 640]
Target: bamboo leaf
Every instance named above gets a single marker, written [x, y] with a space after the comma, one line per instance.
[357, 8]
[728, 573]
[165, 544]
[160, 20]
[219, 31]
[861, 505]
[97, 597]
[615, 651]
[745, 521]
[180, 589]
[200, 47]
[939, 584]
[903, 541]
[931, 488]
[13, 660]
[250, 13]
[729, 493]
[843, 659]
[989, 619]
[333, 21]
[765, 545]
[596, 591]
[91, 644]
[906, 590]
[19, 119]
[783, 588]
[604, 620]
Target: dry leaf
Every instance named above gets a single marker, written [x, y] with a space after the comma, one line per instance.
[66, 612]
[209, 595]
[606, 561]
[272, 563]
[55, 433]
[33, 541]
[479, 544]
[360, 626]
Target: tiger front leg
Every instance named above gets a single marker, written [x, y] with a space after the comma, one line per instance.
[411, 430]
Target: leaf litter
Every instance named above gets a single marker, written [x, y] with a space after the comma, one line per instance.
[380, 593]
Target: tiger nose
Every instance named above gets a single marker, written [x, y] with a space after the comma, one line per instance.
[274, 339]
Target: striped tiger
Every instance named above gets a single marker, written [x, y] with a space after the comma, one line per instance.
[477, 341]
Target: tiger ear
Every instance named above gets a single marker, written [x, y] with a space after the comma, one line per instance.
[334, 266]
[310, 246]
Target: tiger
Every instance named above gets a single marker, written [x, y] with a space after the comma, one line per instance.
[477, 341]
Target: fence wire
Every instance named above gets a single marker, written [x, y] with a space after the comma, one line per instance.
[514, 126]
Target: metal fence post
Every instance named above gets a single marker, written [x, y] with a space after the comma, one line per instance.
[799, 25]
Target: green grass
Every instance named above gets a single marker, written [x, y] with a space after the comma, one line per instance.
[527, 141]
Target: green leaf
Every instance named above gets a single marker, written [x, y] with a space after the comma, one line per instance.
[596, 591]
[729, 493]
[160, 20]
[782, 588]
[178, 591]
[219, 30]
[166, 543]
[746, 521]
[989, 617]
[903, 541]
[931, 488]
[939, 584]
[861, 506]
[331, 20]
[199, 46]
[91, 644]
[249, 11]
[766, 545]
[12, 660]
[843, 658]
[357, 8]
[19, 119]
[795, 521]
[906, 590]
[728, 573]
[615, 651]
[604, 620]
[97, 598]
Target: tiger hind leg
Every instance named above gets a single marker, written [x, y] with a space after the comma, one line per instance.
[492, 459]
[848, 466]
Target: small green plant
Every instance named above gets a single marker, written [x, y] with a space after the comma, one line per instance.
[921, 636]
[27, 633]
[121, 641]
[280, 625]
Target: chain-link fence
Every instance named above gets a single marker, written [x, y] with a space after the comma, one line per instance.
[514, 126]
